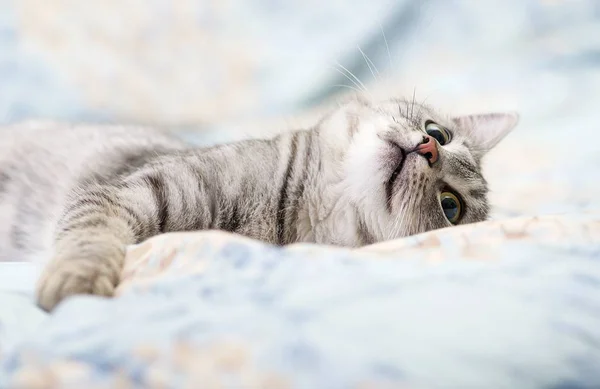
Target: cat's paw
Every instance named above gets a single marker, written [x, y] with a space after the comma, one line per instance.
[68, 276]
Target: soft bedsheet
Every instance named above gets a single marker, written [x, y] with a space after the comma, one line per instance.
[504, 304]
[510, 303]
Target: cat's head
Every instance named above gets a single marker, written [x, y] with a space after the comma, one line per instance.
[399, 168]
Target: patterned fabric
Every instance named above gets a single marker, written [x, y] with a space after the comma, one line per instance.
[193, 62]
[502, 304]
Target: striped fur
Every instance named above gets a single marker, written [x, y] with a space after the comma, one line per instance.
[77, 195]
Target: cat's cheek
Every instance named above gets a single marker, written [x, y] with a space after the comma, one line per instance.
[363, 173]
[432, 215]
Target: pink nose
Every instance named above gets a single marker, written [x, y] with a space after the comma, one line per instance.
[428, 149]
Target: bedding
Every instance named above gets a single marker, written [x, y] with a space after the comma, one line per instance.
[510, 303]
[501, 304]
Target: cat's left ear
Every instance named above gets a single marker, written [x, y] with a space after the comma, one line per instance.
[485, 131]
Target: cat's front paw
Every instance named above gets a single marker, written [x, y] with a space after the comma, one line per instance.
[68, 276]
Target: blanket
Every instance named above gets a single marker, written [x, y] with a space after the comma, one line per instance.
[501, 304]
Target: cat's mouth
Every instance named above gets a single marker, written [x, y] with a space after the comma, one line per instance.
[389, 185]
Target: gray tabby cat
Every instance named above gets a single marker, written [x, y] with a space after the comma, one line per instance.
[78, 195]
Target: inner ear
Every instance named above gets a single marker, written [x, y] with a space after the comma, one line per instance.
[486, 130]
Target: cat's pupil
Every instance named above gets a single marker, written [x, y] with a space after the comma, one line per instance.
[437, 134]
[450, 208]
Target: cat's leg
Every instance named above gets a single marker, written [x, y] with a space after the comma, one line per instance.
[101, 220]
[85, 261]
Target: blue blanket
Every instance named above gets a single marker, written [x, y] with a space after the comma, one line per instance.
[510, 304]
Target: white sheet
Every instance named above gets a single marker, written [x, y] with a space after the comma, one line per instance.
[19, 317]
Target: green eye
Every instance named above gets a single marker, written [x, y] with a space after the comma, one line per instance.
[452, 206]
[442, 135]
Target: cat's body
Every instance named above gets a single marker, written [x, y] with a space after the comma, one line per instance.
[187, 188]
[42, 162]
[77, 195]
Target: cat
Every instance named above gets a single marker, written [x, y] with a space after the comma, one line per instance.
[366, 172]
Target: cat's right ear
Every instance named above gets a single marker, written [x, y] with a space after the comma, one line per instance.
[486, 130]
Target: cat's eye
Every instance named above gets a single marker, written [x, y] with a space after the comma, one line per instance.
[442, 135]
[452, 206]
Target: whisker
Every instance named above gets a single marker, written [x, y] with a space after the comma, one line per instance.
[399, 226]
[352, 74]
[351, 80]
[349, 87]
[369, 63]
[421, 106]
[386, 46]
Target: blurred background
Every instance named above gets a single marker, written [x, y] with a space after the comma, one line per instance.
[219, 70]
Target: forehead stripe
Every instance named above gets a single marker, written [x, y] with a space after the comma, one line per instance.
[464, 167]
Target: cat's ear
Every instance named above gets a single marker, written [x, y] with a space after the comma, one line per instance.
[484, 131]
